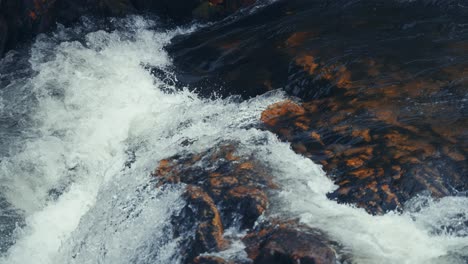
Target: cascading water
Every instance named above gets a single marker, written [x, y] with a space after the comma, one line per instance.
[88, 124]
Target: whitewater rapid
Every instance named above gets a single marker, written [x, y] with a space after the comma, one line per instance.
[94, 125]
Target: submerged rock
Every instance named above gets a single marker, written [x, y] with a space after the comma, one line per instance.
[203, 216]
[207, 10]
[22, 20]
[225, 190]
[236, 184]
[383, 96]
[211, 260]
[288, 242]
[376, 168]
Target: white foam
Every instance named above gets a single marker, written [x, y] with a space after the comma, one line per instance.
[88, 97]
[95, 104]
[391, 238]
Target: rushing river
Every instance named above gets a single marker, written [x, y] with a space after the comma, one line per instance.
[84, 123]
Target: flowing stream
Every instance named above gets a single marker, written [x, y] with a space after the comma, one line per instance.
[84, 123]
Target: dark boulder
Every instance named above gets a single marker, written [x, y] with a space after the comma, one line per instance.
[20, 20]
[226, 190]
[201, 218]
[288, 243]
[266, 50]
[236, 184]
[383, 95]
[26, 18]
[378, 167]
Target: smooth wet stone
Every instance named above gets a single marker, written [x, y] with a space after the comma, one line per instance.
[375, 168]
[288, 242]
[236, 184]
[266, 50]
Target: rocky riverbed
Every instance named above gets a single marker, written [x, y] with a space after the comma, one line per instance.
[233, 131]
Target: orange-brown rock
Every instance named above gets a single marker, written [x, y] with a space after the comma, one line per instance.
[371, 100]
[236, 184]
[363, 160]
[379, 100]
[224, 189]
[198, 226]
[209, 233]
[297, 38]
[282, 110]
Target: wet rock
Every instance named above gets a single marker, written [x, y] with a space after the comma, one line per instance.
[288, 242]
[198, 225]
[223, 190]
[210, 260]
[208, 10]
[228, 190]
[284, 110]
[22, 20]
[384, 113]
[376, 168]
[268, 49]
[236, 184]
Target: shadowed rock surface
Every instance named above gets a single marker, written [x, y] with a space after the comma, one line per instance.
[210, 260]
[225, 190]
[383, 88]
[377, 167]
[20, 20]
[288, 242]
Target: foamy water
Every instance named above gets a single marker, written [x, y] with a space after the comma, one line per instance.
[416, 236]
[99, 122]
